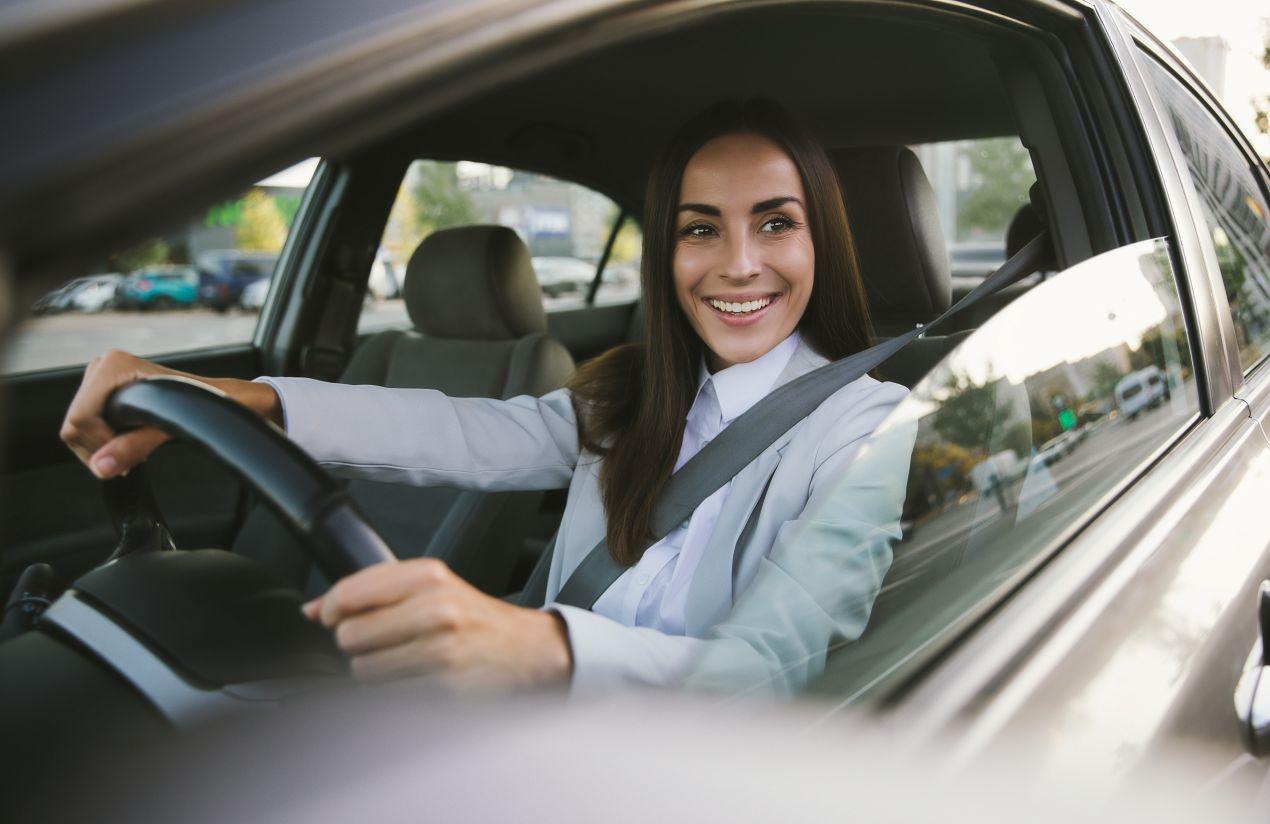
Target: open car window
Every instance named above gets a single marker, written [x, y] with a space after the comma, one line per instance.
[565, 225]
[980, 186]
[1008, 445]
[199, 285]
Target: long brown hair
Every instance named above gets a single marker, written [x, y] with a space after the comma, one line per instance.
[632, 402]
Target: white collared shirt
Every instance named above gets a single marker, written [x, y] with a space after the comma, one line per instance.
[654, 592]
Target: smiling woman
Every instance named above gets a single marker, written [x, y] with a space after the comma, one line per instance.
[750, 281]
[744, 206]
[745, 258]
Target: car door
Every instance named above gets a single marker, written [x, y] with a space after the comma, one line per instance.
[45, 361]
[1131, 639]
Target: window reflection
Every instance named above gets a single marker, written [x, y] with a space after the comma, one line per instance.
[1009, 441]
[1042, 411]
[1234, 210]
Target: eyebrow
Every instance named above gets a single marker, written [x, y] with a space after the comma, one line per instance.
[772, 203]
[761, 206]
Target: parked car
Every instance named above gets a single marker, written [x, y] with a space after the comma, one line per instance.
[158, 287]
[87, 294]
[975, 260]
[56, 300]
[254, 294]
[1058, 447]
[224, 273]
[96, 293]
[1104, 609]
[386, 277]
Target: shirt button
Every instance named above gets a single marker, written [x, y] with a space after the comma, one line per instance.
[642, 580]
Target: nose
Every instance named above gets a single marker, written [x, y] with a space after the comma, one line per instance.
[741, 261]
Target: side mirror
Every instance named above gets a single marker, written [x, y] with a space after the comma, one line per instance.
[1252, 695]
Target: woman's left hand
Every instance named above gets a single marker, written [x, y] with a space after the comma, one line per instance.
[418, 618]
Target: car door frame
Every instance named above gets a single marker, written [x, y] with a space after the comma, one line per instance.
[995, 679]
[1253, 386]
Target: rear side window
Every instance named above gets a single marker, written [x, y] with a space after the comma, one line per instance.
[186, 290]
[1234, 208]
[565, 225]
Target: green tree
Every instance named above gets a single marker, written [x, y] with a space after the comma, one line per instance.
[937, 472]
[439, 201]
[261, 227]
[287, 205]
[967, 414]
[1001, 171]
[147, 253]
[1106, 376]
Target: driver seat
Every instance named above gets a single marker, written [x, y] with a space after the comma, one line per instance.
[479, 330]
[902, 253]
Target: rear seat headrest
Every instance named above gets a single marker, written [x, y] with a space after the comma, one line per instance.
[473, 283]
[898, 234]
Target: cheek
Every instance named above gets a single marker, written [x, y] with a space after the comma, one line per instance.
[688, 273]
[799, 264]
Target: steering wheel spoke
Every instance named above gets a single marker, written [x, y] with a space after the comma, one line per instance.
[135, 514]
[308, 500]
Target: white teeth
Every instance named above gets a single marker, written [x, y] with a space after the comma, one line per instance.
[740, 308]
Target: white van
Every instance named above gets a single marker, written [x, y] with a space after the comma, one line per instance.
[1143, 389]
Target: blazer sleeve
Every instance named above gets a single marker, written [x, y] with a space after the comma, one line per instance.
[814, 589]
[423, 437]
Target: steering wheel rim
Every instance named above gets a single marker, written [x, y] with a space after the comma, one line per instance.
[309, 501]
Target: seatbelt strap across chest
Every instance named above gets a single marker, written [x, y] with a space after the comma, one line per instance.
[750, 435]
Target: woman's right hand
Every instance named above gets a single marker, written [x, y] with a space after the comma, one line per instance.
[106, 453]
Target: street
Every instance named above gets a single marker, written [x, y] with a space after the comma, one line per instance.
[74, 338]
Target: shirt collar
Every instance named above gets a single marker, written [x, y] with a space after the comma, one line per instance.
[739, 387]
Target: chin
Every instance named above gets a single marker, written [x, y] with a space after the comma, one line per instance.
[743, 353]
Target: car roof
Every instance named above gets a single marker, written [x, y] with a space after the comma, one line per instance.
[809, 58]
[259, 86]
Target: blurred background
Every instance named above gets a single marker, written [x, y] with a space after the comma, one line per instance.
[203, 284]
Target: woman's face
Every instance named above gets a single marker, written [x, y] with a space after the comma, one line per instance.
[744, 260]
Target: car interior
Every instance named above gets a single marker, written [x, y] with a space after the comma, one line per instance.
[871, 81]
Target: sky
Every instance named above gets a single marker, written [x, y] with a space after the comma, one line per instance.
[1241, 23]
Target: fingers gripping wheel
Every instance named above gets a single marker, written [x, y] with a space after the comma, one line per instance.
[304, 496]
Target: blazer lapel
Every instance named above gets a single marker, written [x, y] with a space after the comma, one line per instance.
[710, 593]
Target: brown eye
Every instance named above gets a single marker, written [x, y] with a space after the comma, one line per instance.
[777, 225]
[696, 230]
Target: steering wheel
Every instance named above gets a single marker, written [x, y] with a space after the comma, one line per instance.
[308, 500]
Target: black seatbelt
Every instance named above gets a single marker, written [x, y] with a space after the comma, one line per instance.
[750, 434]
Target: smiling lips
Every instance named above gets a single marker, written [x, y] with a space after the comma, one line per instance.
[743, 310]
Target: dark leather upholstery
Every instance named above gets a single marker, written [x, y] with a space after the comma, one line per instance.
[898, 235]
[1025, 225]
[481, 332]
[900, 246]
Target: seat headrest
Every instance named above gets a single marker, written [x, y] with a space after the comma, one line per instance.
[898, 234]
[473, 283]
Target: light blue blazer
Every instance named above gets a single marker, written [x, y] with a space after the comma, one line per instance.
[771, 594]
